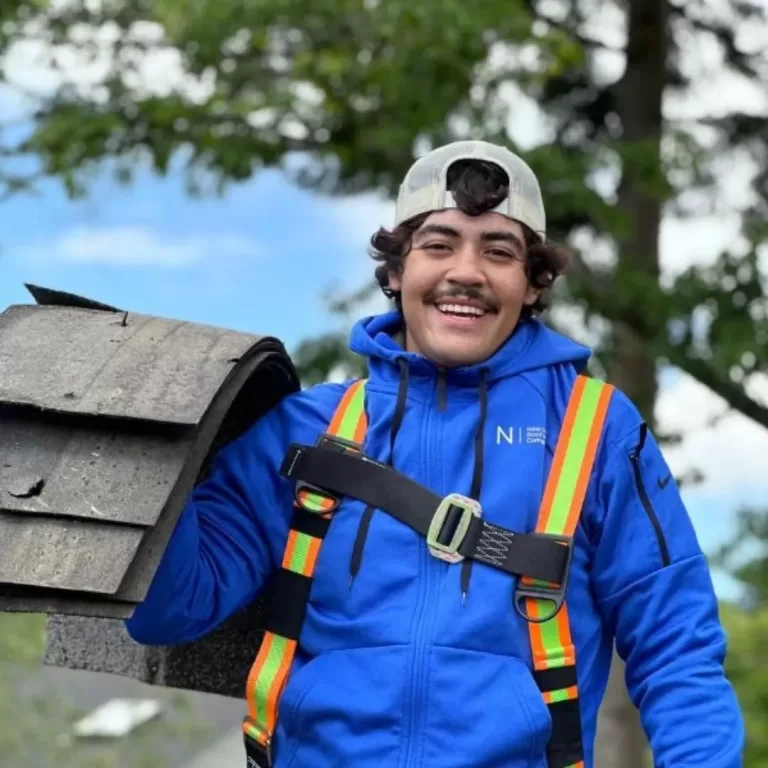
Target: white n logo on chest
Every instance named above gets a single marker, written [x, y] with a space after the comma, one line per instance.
[521, 435]
[506, 437]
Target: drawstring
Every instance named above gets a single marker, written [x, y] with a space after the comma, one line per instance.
[365, 521]
[477, 473]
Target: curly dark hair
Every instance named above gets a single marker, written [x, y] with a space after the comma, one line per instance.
[477, 186]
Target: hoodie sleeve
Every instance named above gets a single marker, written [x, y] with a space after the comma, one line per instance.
[230, 537]
[655, 593]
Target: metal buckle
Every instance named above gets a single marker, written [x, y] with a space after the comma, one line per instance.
[331, 443]
[258, 755]
[336, 443]
[469, 509]
[553, 594]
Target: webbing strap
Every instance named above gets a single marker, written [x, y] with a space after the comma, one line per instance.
[285, 614]
[554, 653]
[381, 487]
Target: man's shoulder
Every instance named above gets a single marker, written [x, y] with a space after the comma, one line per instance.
[316, 404]
[623, 419]
[302, 415]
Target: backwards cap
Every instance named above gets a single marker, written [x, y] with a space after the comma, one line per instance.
[424, 186]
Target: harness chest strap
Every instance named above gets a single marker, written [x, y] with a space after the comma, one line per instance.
[553, 650]
[554, 655]
[290, 593]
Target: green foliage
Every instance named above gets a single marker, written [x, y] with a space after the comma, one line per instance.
[746, 558]
[353, 87]
[745, 667]
[22, 637]
[29, 711]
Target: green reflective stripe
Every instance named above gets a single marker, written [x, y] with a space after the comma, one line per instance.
[351, 417]
[300, 554]
[550, 640]
[274, 660]
[550, 637]
[574, 457]
[313, 501]
[562, 694]
[347, 429]
[268, 674]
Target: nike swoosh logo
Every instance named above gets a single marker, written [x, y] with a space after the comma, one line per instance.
[663, 483]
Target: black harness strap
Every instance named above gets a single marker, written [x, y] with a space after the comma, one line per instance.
[538, 556]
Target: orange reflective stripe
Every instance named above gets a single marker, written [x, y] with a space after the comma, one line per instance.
[350, 422]
[269, 672]
[552, 645]
[559, 458]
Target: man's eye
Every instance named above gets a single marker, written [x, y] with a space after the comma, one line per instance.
[435, 247]
[498, 253]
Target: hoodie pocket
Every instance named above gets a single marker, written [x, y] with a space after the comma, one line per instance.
[484, 710]
[638, 471]
[345, 710]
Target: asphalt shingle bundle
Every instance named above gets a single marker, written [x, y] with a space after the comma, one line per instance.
[107, 420]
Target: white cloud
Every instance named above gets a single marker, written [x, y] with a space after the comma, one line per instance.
[358, 217]
[131, 246]
[695, 241]
[731, 454]
[353, 221]
[35, 69]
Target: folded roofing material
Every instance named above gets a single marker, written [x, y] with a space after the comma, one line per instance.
[107, 421]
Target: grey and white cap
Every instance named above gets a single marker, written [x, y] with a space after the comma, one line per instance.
[424, 186]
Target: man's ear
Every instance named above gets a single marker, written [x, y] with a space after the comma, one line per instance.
[395, 282]
[531, 295]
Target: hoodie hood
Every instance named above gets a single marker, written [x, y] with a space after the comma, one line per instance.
[532, 345]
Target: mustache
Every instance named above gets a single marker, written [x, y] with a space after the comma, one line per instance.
[469, 292]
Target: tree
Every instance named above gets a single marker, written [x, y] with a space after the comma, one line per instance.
[258, 82]
[746, 557]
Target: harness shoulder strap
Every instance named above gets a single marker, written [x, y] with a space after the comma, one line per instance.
[287, 601]
[554, 654]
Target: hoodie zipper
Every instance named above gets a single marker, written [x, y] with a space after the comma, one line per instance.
[645, 499]
[442, 390]
[429, 570]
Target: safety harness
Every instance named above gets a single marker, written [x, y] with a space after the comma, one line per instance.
[454, 529]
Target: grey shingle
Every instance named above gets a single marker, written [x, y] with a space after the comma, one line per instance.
[97, 471]
[89, 557]
[86, 361]
[107, 421]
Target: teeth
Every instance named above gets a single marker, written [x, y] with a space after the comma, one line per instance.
[461, 309]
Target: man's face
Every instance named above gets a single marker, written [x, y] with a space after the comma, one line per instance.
[463, 286]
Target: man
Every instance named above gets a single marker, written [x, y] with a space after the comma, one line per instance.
[456, 650]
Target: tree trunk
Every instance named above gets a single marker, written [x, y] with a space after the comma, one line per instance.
[620, 737]
[621, 742]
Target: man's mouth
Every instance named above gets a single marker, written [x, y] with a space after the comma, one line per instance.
[465, 311]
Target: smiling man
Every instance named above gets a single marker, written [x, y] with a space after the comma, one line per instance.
[453, 545]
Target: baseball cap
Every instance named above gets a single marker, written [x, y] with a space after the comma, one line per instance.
[424, 186]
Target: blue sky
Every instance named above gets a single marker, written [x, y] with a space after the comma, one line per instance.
[258, 260]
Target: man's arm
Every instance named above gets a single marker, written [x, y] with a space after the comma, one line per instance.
[654, 589]
[224, 545]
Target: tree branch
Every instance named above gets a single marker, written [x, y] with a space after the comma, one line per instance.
[699, 369]
[733, 394]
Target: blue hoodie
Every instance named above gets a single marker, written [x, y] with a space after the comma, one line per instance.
[399, 669]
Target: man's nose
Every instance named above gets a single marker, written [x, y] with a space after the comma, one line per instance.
[466, 266]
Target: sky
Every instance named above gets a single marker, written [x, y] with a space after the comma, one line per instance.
[260, 258]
